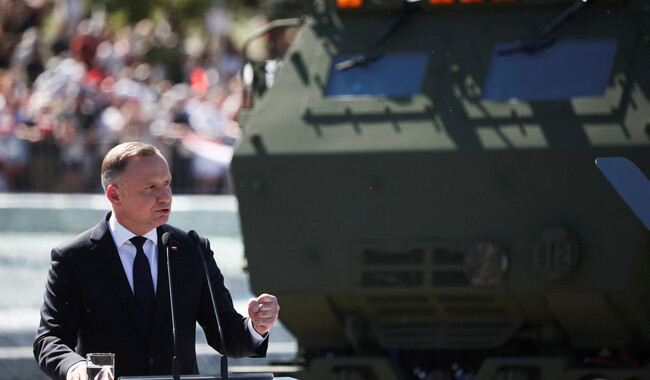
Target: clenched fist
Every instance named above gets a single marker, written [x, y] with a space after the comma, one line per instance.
[263, 312]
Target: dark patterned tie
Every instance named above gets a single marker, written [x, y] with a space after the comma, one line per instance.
[142, 282]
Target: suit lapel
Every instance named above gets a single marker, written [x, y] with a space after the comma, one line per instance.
[109, 259]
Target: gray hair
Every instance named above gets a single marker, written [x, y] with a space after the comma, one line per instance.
[117, 158]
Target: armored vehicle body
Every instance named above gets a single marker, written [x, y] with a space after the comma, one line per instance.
[418, 188]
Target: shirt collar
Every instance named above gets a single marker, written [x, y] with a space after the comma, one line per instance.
[121, 234]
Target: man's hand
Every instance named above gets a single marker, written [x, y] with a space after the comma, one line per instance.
[263, 312]
[78, 373]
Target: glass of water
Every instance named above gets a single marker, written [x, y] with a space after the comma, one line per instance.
[100, 366]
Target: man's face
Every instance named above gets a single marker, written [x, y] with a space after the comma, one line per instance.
[142, 197]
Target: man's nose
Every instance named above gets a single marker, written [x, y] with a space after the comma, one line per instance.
[165, 194]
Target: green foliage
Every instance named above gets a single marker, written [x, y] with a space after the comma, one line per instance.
[180, 13]
[133, 10]
[170, 57]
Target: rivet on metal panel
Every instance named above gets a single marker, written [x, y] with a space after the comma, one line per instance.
[375, 186]
[455, 71]
[259, 187]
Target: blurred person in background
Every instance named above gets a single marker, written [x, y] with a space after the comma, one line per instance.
[16, 17]
[14, 148]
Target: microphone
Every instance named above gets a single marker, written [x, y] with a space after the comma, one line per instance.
[176, 368]
[224, 359]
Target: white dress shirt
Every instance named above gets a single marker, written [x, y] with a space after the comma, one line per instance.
[127, 250]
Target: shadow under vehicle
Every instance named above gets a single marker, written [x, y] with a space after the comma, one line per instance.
[418, 188]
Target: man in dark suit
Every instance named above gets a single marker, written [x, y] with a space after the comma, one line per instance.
[107, 289]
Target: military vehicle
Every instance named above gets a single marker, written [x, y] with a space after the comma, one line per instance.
[418, 188]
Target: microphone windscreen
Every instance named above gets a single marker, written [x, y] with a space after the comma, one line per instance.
[193, 236]
[166, 239]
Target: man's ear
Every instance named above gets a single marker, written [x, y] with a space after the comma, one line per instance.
[113, 194]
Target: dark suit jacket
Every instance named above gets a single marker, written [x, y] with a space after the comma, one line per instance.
[89, 307]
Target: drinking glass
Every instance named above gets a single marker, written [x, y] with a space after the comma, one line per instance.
[100, 366]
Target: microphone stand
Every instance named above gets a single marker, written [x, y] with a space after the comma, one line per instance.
[224, 359]
[176, 369]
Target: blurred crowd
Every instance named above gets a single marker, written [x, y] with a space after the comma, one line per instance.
[65, 103]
